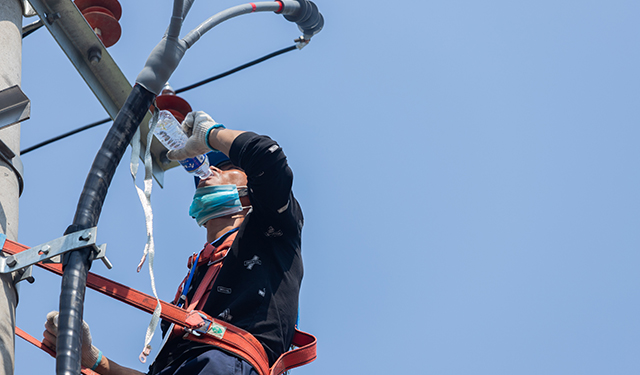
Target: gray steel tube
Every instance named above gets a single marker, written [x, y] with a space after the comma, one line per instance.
[76, 264]
[186, 8]
[176, 19]
[198, 32]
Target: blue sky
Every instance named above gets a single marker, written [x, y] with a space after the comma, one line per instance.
[467, 171]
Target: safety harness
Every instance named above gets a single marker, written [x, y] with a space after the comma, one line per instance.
[194, 324]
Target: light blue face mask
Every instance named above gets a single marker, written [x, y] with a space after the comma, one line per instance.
[210, 202]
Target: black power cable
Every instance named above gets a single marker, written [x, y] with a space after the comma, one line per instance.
[65, 135]
[178, 91]
[234, 70]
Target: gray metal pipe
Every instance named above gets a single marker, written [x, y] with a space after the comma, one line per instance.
[198, 32]
[186, 7]
[176, 19]
[303, 12]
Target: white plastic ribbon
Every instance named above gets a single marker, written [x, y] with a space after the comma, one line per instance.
[145, 200]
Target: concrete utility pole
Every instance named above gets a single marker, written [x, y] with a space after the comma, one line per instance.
[10, 75]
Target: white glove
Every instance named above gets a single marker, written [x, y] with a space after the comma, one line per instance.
[90, 354]
[196, 126]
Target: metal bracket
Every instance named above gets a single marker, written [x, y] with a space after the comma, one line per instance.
[51, 252]
[14, 106]
[14, 162]
[24, 274]
[32, 27]
[27, 9]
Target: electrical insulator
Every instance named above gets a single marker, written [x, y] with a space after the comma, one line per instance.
[103, 16]
[168, 100]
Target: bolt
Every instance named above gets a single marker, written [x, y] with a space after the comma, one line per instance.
[45, 250]
[107, 263]
[51, 17]
[94, 55]
[86, 236]
[11, 261]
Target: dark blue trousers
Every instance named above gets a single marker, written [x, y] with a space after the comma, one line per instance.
[211, 362]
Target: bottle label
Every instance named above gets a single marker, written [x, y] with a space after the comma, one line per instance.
[191, 164]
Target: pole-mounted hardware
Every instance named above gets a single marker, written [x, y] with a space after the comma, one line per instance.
[103, 17]
[50, 252]
[22, 274]
[14, 162]
[27, 9]
[97, 67]
[14, 106]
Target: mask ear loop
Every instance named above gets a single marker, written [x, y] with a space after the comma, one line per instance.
[243, 191]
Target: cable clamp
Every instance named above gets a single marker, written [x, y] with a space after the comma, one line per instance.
[51, 252]
[20, 275]
[301, 42]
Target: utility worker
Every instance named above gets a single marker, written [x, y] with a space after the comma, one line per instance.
[257, 286]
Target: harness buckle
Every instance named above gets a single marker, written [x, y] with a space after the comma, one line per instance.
[202, 324]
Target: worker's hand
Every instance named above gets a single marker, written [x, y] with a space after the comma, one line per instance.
[196, 126]
[90, 353]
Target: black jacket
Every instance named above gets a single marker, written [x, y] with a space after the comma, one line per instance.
[258, 285]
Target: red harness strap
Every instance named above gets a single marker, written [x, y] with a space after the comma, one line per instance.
[211, 256]
[32, 340]
[198, 326]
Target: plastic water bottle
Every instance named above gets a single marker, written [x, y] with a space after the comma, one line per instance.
[170, 134]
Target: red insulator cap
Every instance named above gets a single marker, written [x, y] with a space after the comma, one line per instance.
[103, 16]
[113, 6]
[178, 107]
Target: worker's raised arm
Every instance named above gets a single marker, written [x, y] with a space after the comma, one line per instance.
[261, 158]
[204, 135]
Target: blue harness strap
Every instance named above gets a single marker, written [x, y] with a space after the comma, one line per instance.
[185, 288]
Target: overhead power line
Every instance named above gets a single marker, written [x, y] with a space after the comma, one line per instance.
[65, 135]
[178, 91]
[234, 70]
